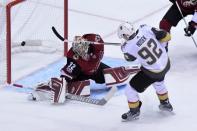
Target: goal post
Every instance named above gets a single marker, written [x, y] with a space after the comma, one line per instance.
[65, 26]
[25, 26]
[8, 37]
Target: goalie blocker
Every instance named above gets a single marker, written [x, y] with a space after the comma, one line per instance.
[57, 89]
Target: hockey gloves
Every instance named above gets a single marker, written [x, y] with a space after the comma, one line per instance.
[129, 57]
[189, 31]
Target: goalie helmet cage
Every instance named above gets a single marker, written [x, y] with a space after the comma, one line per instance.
[29, 22]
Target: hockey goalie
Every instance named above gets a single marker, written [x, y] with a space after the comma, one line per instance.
[83, 63]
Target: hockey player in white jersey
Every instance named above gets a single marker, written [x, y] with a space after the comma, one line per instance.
[147, 45]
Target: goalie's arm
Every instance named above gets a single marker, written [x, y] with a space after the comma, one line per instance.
[71, 70]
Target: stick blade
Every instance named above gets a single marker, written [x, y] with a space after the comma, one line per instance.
[57, 34]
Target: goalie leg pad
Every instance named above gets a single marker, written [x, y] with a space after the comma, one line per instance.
[58, 90]
[79, 88]
[118, 75]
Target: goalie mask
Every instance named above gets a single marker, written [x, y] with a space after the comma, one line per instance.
[125, 30]
[81, 47]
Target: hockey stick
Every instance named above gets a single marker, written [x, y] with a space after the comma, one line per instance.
[89, 100]
[65, 40]
[84, 99]
[185, 22]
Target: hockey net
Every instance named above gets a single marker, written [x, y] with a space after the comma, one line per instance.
[28, 23]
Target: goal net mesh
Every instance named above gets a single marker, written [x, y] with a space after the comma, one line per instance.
[31, 23]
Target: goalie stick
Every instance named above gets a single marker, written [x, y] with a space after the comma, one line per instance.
[89, 100]
[94, 101]
[65, 40]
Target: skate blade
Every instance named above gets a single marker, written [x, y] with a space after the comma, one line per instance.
[166, 109]
[167, 112]
[130, 119]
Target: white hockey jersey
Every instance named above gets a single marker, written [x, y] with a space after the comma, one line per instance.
[147, 49]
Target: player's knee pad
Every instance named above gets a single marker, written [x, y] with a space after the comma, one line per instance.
[131, 94]
[79, 88]
[160, 87]
[165, 25]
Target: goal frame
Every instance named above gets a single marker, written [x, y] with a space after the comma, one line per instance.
[9, 34]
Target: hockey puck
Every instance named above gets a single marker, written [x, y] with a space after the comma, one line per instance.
[34, 98]
[18, 85]
[23, 43]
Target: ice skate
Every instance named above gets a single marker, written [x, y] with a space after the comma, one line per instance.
[132, 114]
[165, 105]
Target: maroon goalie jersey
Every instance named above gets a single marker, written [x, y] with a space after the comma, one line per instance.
[76, 65]
[187, 6]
